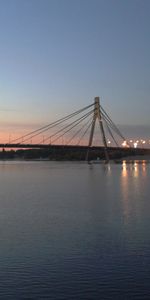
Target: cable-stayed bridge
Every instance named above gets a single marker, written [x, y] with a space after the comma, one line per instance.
[87, 128]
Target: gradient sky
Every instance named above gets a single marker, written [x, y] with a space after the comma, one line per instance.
[57, 55]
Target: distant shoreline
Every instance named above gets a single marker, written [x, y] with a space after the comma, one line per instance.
[75, 154]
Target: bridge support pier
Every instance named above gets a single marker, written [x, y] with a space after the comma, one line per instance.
[97, 116]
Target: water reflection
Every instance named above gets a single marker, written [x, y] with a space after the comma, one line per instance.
[125, 191]
[130, 187]
[68, 225]
[135, 167]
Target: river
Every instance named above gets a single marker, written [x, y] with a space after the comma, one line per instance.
[74, 231]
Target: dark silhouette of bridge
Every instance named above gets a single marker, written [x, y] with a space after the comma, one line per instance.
[77, 128]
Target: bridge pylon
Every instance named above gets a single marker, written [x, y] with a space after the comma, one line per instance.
[97, 116]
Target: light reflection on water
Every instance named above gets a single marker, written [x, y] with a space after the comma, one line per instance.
[131, 177]
[74, 231]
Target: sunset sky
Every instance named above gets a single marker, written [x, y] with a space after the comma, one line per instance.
[57, 55]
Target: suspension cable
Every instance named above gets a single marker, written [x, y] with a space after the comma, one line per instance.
[78, 121]
[111, 134]
[113, 126]
[76, 133]
[84, 133]
[47, 130]
[50, 125]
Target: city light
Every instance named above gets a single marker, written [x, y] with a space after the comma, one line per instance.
[124, 144]
[138, 142]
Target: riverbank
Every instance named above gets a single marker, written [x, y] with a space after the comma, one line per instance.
[59, 153]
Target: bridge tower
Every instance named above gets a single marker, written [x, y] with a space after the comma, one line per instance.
[97, 116]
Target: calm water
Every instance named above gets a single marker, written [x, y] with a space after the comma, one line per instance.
[74, 231]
